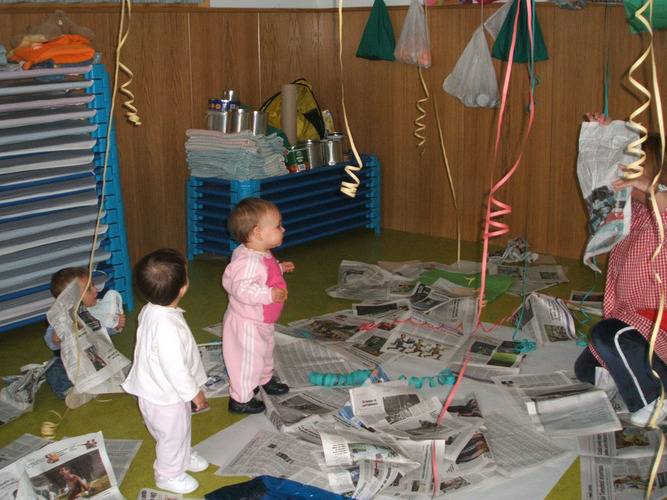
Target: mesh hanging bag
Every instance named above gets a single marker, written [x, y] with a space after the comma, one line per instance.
[473, 80]
[413, 46]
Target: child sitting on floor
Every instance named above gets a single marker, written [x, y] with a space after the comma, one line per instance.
[56, 376]
[257, 291]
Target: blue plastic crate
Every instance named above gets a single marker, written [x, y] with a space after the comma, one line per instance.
[311, 204]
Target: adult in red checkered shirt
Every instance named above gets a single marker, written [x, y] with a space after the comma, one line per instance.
[620, 342]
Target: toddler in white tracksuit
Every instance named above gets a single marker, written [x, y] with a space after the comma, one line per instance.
[167, 372]
[257, 290]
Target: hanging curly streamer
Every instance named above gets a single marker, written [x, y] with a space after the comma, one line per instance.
[637, 170]
[131, 115]
[347, 188]
[419, 125]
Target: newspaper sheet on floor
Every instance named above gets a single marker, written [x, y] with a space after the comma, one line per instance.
[605, 478]
[18, 394]
[20, 448]
[601, 149]
[546, 318]
[532, 278]
[87, 352]
[297, 414]
[73, 467]
[295, 358]
[591, 303]
[358, 280]
[277, 455]
[629, 442]
[559, 406]
[489, 357]
[151, 494]
[337, 327]
[217, 382]
[423, 339]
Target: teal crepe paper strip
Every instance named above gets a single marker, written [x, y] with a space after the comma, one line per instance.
[445, 377]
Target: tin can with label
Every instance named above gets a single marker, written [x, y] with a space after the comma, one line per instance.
[296, 159]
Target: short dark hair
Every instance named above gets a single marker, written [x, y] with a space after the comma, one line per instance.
[61, 279]
[245, 216]
[653, 149]
[161, 275]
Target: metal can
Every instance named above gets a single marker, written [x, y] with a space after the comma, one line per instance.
[296, 159]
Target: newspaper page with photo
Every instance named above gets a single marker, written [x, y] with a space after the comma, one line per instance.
[532, 278]
[601, 149]
[89, 357]
[628, 442]
[297, 414]
[423, 340]
[18, 394]
[400, 410]
[570, 410]
[358, 280]
[296, 358]
[273, 454]
[546, 318]
[217, 382]
[336, 327]
[489, 357]
[71, 467]
[605, 478]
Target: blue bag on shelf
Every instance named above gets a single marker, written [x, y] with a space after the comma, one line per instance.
[271, 488]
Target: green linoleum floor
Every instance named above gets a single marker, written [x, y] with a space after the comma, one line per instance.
[317, 262]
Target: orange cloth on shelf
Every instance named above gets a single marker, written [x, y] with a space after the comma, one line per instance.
[66, 49]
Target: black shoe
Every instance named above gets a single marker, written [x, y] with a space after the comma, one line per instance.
[274, 388]
[252, 406]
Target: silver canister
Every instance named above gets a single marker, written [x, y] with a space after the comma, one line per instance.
[240, 119]
[260, 122]
[218, 120]
[233, 97]
[315, 152]
[334, 148]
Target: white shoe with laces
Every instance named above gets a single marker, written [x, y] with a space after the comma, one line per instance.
[184, 483]
[197, 462]
[643, 416]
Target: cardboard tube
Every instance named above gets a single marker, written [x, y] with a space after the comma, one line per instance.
[288, 112]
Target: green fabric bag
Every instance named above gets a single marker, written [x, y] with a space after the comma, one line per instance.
[501, 48]
[378, 40]
[659, 21]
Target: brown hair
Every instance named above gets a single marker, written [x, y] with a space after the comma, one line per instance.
[161, 275]
[61, 279]
[245, 217]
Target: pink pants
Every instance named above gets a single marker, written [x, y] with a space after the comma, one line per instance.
[170, 427]
[247, 348]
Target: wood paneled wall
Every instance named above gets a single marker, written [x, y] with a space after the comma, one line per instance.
[181, 56]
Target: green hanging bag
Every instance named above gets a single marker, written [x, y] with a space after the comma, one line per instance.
[501, 48]
[378, 40]
[658, 19]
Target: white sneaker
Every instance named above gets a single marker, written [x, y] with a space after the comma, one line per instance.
[197, 462]
[184, 483]
[643, 416]
[74, 398]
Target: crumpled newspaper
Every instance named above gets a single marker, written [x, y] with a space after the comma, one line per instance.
[516, 251]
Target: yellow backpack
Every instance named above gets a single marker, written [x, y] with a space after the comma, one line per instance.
[309, 122]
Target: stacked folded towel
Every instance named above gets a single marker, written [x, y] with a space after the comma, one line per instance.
[239, 156]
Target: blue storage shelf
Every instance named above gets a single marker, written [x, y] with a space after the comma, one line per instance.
[114, 240]
[310, 202]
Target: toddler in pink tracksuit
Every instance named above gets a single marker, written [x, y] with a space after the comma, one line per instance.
[257, 290]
